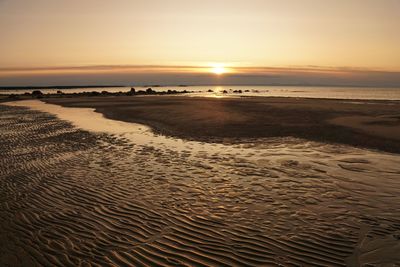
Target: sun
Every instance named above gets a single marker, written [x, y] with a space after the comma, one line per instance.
[218, 69]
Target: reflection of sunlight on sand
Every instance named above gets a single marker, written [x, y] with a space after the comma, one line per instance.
[218, 89]
[216, 96]
[217, 93]
[89, 120]
[84, 118]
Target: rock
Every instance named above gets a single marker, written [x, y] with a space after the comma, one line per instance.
[37, 93]
[94, 93]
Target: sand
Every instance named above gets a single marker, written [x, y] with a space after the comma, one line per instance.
[74, 196]
[206, 119]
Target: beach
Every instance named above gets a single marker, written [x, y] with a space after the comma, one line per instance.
[361, 123]
[204, 188]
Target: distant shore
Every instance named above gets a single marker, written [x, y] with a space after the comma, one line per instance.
[366, 124]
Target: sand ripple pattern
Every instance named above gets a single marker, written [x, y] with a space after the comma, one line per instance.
[74, 198]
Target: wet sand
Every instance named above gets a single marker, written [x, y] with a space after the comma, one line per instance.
[223, 119]
[77, 189]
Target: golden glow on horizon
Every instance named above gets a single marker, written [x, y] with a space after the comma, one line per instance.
[218, 69]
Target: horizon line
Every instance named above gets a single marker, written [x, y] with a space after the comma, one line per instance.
[200, 68]
[183, 86]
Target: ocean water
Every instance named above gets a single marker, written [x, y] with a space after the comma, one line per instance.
[370, 93]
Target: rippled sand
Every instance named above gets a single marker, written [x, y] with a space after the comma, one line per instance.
[125, 197]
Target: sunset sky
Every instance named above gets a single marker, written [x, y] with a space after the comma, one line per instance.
[332, 42]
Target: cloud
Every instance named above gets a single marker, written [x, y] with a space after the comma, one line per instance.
[197, 75]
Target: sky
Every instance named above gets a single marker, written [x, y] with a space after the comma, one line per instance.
[124, 42]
